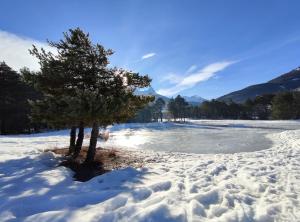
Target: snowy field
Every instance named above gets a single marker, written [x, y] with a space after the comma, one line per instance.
[218, 183]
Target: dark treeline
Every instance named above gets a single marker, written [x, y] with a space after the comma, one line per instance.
[15, 94]
[152, 112]
[284, 105]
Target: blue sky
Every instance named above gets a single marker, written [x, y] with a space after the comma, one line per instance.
[203, 47]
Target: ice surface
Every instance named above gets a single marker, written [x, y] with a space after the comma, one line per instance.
[202, 136]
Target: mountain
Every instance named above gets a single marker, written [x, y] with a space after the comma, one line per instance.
[194, 100]
[286, 82]
[151, 92]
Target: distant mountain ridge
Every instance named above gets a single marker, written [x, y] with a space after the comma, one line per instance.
[193, 100]
[151, 92]
[286, 82]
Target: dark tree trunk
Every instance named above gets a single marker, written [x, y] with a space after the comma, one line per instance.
[72, 139]
[93, 143]
[79, 140]
[3, 128]
[161, 116]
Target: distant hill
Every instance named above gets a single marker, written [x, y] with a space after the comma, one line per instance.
[193, 100]
[286, 82]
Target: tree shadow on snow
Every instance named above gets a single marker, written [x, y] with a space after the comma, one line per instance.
[33, 185]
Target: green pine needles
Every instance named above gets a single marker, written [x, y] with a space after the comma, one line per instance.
[81, 90]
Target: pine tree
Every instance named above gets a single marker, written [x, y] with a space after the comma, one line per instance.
[14, 107]
[113, 101]
[79, 88]
[173, 108]
[58, 112]
[158, 107]
[65, 77]
[283, 106]
[178, 107]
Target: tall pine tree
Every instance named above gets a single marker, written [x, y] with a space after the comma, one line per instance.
[14, 107]
[80, 89]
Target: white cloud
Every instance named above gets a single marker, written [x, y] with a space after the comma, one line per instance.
[191, 80]
[14, 51]
[171, 78]
[191, 69]
[148, 55]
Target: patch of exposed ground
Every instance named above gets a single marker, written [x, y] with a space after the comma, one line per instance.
[105, 160]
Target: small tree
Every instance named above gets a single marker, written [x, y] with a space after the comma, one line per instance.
[172, 108]
[181, 106]
[158, 107]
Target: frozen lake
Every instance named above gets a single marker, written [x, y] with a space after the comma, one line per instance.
[198, 136]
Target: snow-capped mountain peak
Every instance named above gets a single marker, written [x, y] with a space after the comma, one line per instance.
[194, 99]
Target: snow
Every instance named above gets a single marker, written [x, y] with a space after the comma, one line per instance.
[244, 186]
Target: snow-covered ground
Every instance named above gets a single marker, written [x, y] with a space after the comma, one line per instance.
[262, 185]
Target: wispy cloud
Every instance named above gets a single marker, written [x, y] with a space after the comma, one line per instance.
[191, 69]
[174, 78]
[171, 78]
[14, 51]
[191, 80]
[148, 55]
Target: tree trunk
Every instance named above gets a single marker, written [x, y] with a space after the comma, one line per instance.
[72, 139]
[79, 140]
[3, 128]
[93, 143]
